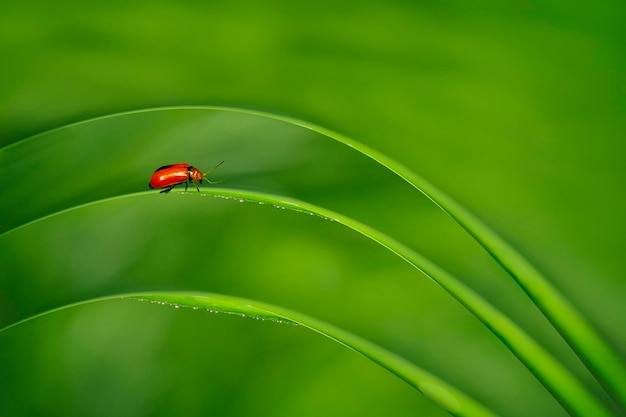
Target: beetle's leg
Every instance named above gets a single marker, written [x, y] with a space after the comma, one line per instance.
[196, 184]
[186, 182]
[168, 189]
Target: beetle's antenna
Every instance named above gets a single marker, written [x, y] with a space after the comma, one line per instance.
[211, 170]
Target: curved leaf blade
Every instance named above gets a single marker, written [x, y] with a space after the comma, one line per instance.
[452, 400]
[564, 387]
[89, 186]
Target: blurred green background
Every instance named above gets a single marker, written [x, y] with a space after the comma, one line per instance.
[517, 109]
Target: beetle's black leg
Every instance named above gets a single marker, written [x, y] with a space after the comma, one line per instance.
[168, 189]
[186, 183]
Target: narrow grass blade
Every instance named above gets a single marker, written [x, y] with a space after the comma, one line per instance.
[592, 349]
[586, 342]
[449, 398]
[563, 386]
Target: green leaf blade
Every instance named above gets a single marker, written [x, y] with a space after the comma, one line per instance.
[565, 388]
[452, 400]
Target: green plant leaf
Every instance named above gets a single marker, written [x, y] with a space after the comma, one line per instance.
[593, 350]
[555, 377]
[452, 400]
[110, 156]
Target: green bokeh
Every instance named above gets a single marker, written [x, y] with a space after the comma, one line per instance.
[517, 109]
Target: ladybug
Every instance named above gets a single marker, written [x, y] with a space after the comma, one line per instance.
[169, 176]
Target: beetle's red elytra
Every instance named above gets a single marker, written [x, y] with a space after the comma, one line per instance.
[169, 176]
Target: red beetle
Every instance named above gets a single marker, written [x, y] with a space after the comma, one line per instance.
[169, 176]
